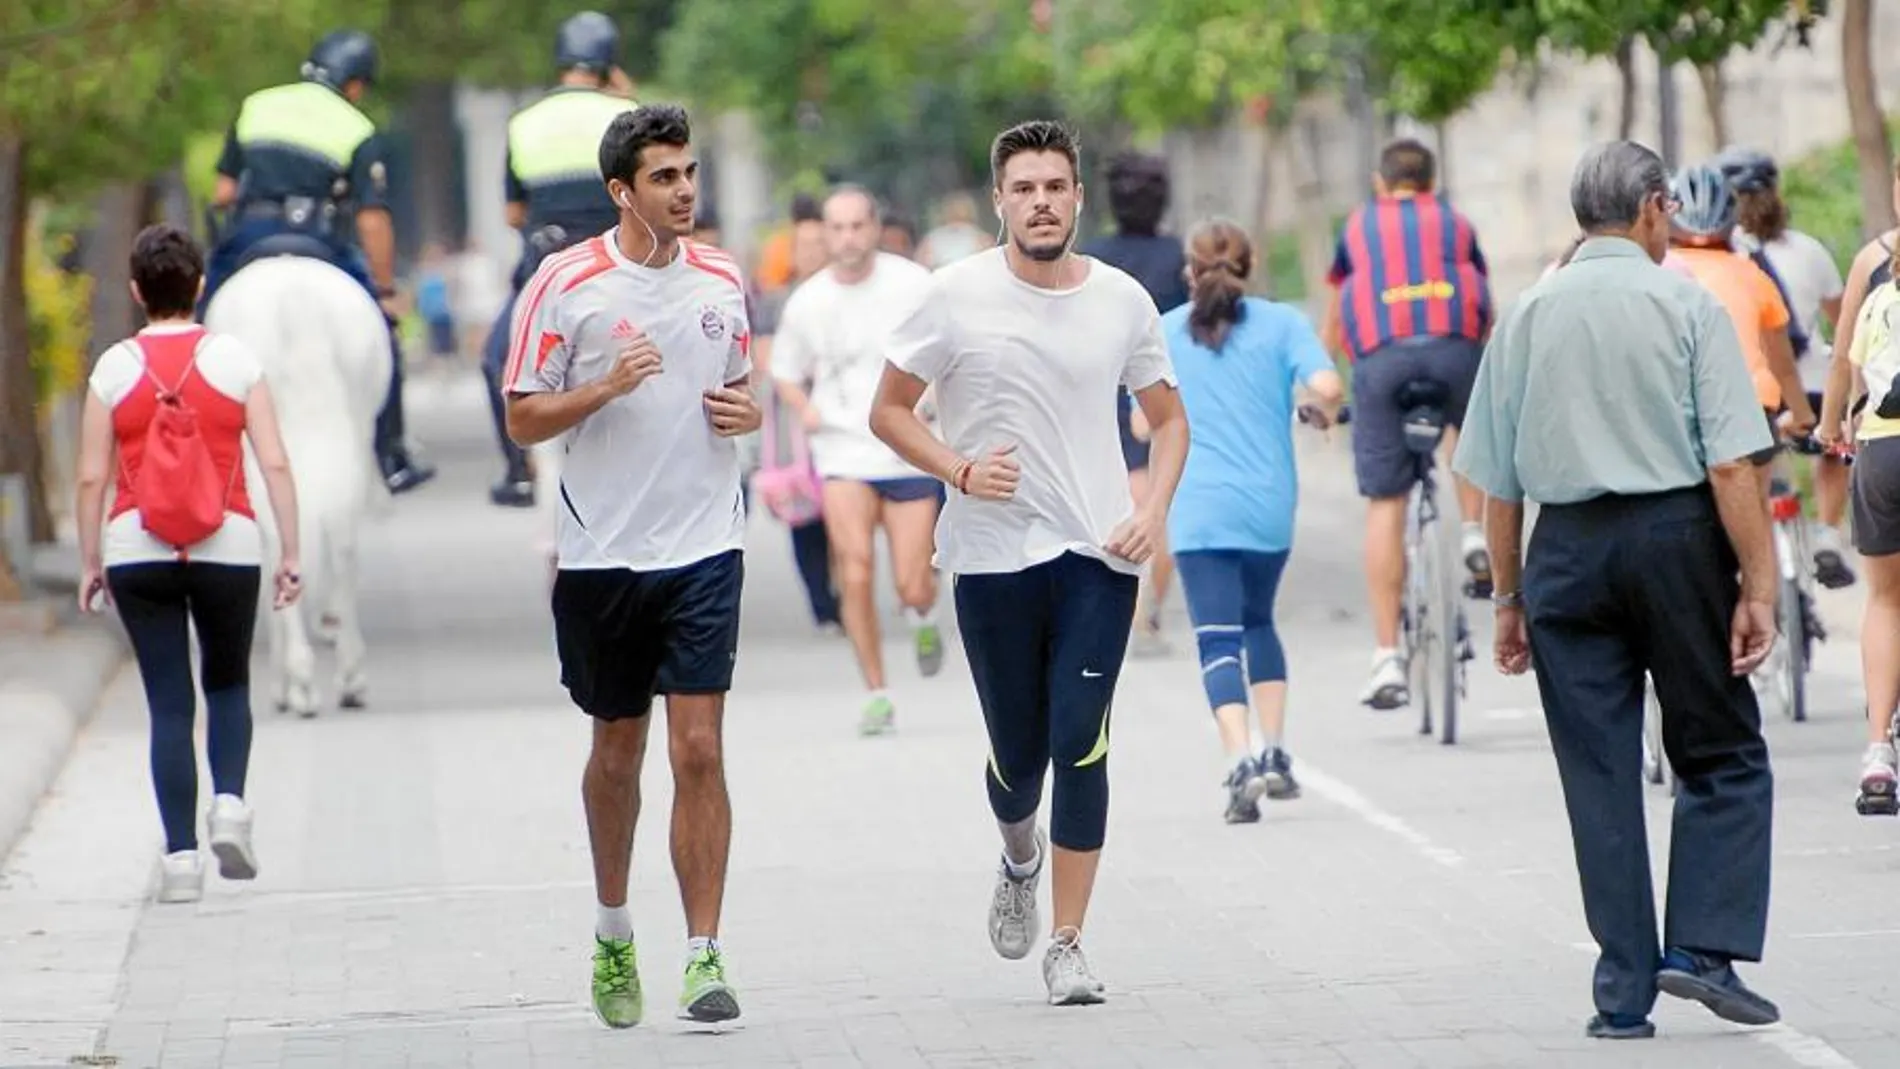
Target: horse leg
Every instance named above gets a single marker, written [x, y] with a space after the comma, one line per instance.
[299, 664]
[351, 649]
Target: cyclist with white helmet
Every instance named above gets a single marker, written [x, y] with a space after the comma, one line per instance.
[1701, 236]
[1812, 285]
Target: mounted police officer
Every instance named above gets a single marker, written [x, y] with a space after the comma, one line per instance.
[304, 172]
[556, 197]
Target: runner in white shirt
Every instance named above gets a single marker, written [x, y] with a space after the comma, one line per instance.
[633, 349]
[827, 358]
[1027, 346]
[1814, 289]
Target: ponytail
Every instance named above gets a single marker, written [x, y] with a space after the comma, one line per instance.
[1220, 257]
[1217, 292]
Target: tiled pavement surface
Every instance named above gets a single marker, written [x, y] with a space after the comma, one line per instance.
[425, 896]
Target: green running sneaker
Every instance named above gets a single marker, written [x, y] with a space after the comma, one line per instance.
[878, 717]
[929, 650]
[617, 999]
[706, 997]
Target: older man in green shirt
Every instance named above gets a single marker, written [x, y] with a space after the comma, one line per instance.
[1616, 397]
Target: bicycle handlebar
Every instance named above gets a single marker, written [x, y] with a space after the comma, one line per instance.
[1313, 417]
[1814, 447]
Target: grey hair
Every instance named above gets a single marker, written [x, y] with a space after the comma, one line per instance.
[1611, 183]
[846, 189]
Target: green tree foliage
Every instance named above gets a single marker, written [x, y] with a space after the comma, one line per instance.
[105, 90]
[857, 86]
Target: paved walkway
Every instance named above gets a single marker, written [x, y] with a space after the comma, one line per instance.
[425, 895]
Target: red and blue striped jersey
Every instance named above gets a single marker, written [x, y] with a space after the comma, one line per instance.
[1409, 266]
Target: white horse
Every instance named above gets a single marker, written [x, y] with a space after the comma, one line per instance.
[325, 349]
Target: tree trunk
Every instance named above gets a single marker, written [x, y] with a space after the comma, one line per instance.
[118, 215]
[1715, 97]
[430, 120]
[1869, 125]
[1626, 79]
[1441, 134]
[1312, 219]
[1668, 117]
[19, 427]
[170, 199]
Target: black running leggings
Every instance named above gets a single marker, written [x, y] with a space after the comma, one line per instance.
[157, 602]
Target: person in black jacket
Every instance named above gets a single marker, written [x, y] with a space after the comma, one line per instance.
[1138, 198]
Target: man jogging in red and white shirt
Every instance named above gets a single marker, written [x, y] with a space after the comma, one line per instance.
[633, 349]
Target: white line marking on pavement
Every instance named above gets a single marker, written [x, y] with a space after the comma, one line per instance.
[1845, 935]
[1342, 794]
[1809, 1052]
[1805, 1050]
[1511, 714]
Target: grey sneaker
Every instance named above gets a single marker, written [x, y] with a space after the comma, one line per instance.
[230, 824]
[1066, 970]
[1276, 767]
[181, 877]
[1013, 919]
[1244, 786]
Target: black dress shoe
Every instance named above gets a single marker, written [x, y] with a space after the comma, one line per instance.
[1712, 982]
[407, 475]
[1620, 1026]
[512, 494]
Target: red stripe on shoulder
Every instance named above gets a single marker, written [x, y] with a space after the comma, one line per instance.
[531, 299]
[719, 267]
[601, 261]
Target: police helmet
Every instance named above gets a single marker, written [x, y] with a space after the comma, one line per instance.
[343, 56]
[1708, 205]
[589, 41]
[1747, 170]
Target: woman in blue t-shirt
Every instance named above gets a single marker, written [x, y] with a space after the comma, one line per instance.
[1239, 360]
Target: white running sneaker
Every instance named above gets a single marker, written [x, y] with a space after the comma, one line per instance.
[230, 825]
[181, 877]
[1013, 919]
[1066, 970]
[1387, 688]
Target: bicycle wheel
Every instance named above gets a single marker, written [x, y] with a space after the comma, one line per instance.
[1442, 611]
[1653, 759]
[1437, 608]
[1792, 609]
[1415, 631]
[1656, 767]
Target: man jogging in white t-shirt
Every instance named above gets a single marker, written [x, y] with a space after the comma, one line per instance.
[1027, 346]
[827, 358]
[633, 349]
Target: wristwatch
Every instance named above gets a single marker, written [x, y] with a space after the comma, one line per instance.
[1512, 600]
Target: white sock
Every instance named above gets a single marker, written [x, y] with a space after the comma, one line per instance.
[1383, 654]
[1473, 530]
[1022, 871]
[698, 944]
[918, 618]
[613, 922]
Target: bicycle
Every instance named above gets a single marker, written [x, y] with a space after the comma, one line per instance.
[1434, 633]
[1782, 678]
[1656, 767]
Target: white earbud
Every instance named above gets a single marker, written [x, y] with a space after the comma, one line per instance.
[626, 202]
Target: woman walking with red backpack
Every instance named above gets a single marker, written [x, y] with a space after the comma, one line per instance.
[167, 411]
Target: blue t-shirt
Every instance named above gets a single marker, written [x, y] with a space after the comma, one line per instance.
[1240, 485]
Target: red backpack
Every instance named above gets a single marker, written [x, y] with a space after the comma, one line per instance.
[180, 499]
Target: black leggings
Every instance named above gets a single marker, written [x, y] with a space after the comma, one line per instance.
[156, 602]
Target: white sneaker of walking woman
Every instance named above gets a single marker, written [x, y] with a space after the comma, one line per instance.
[230, 826]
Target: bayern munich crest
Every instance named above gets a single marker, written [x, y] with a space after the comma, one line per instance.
[712, 323]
